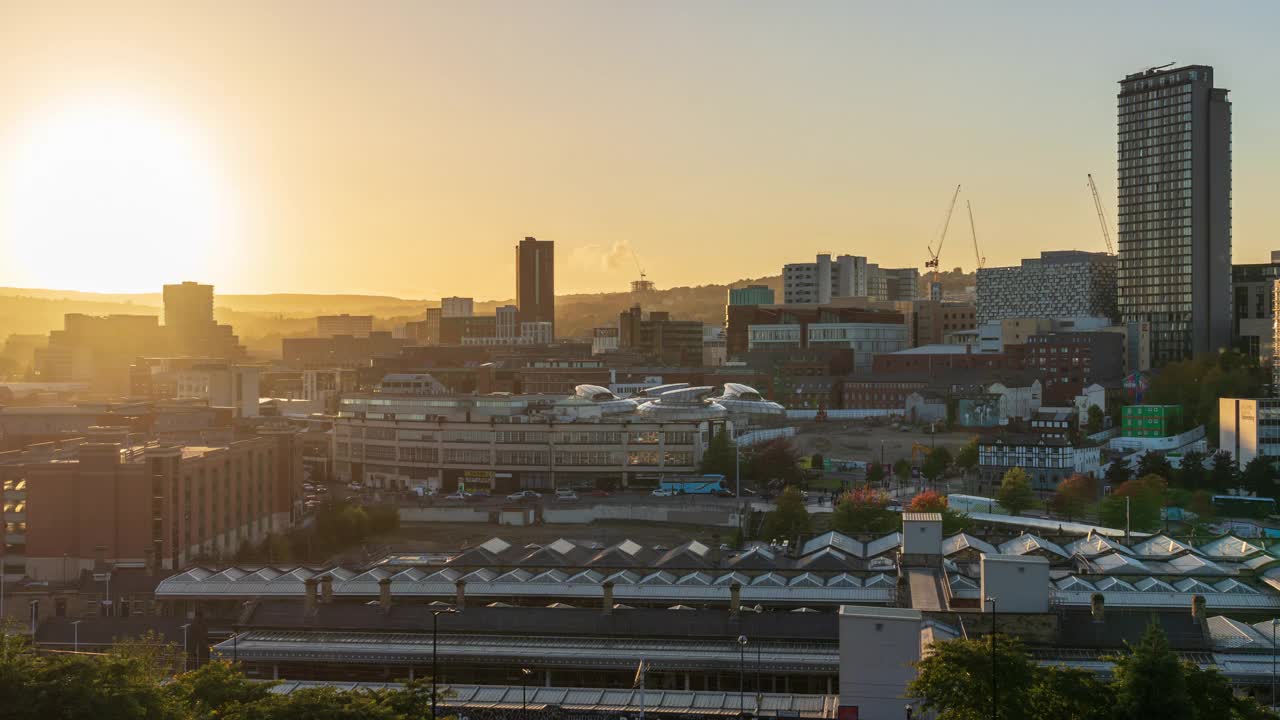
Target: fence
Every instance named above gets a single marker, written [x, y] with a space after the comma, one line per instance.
[858, 414]
[756, 437]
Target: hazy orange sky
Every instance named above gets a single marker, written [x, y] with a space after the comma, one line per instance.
[405, 147]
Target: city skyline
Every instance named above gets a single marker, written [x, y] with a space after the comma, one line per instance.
[709, 137]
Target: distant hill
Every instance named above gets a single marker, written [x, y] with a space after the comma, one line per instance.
[262, 320]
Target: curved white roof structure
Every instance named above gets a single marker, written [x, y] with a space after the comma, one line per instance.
[683, 403]
[744, 401]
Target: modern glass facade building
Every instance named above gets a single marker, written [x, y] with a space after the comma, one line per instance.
[1174, 142]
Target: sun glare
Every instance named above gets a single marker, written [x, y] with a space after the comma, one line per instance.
[110, 196]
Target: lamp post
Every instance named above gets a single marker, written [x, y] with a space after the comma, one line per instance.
[75, 642]
[435, 633]
[1273, 660]
[524, 690]
[185, 663]
[910, 710]
[742, 658]
[995, 713]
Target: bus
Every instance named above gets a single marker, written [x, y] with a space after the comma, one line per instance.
[1244, 506]
[695, 484]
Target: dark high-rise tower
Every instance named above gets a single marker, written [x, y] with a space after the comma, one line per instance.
[1175, 210]
[536, 281]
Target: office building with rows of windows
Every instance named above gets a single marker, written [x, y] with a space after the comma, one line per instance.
[1175, 209]
[591, 439]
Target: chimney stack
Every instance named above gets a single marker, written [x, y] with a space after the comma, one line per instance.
[384, 593]
[309, 607]
[326, 589]
[460, 599]
[735, 599]
[1097, 606]
[607, 603]
[1198, 609]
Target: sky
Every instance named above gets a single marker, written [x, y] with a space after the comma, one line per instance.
[404, 147]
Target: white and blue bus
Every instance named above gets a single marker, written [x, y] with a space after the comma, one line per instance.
[695, 484]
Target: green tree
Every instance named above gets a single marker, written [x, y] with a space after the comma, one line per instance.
[776, 460]
[875, 472]
[1145, 497]
[1069, 694]
[1154, 463]
[955, 681]
[719, 456]
[215, 687]
[1258, 475]
[1015, 492]
[864, 510]
[1118, 472]
[967, 456]
[1222, 473]
[1075, 495]
[1149, 682]
[1190, 474]
[1197, 384]
[936, 464]
[902, 469]
[789, 519]
[1095, 420]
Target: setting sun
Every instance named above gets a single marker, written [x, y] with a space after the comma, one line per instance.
[110, 196]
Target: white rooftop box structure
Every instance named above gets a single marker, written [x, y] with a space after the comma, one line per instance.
[1018, 583]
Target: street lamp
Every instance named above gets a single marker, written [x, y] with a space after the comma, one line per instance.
[75, 643]
[910, 710]
[524, 692]
[1273, 659]
[435, 632]
[995, 712]
[742, 659]
[185, 662]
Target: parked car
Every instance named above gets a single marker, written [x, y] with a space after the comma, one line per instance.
[478, 495]
[457, 496]
[522, 495]
[566, 495]
[322, 489]
[663, 492]
[599, 493]
[724, 493]
[355, 486]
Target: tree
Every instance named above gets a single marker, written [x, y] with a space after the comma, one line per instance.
[776, 460]
[1222, 473]
[1095, 420]
[1190, 474]
[928, 501]
[215, 687]
[1145, 499]
[864, 510]
[789, 519]
[902, 469]
[955, 681]
[1118, 472]
[1154, 463]
[1075, 495]
[936, 464]
[875, 472]
[1149, 683]
[1069, 694]
[1015, 491]
[718, 458]
[967, 456]
[1197, 384]
[1258, 475]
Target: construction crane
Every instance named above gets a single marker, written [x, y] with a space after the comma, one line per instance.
[982, 262]
[935, 287]
[642, 285]
[1102, 216]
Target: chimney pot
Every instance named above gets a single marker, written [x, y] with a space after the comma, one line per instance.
[309, 605]
[384, 593]
[460, 599]
[1097, 606]
[1198, 605]
[326, 589]
[735, 599]
[607, 602]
